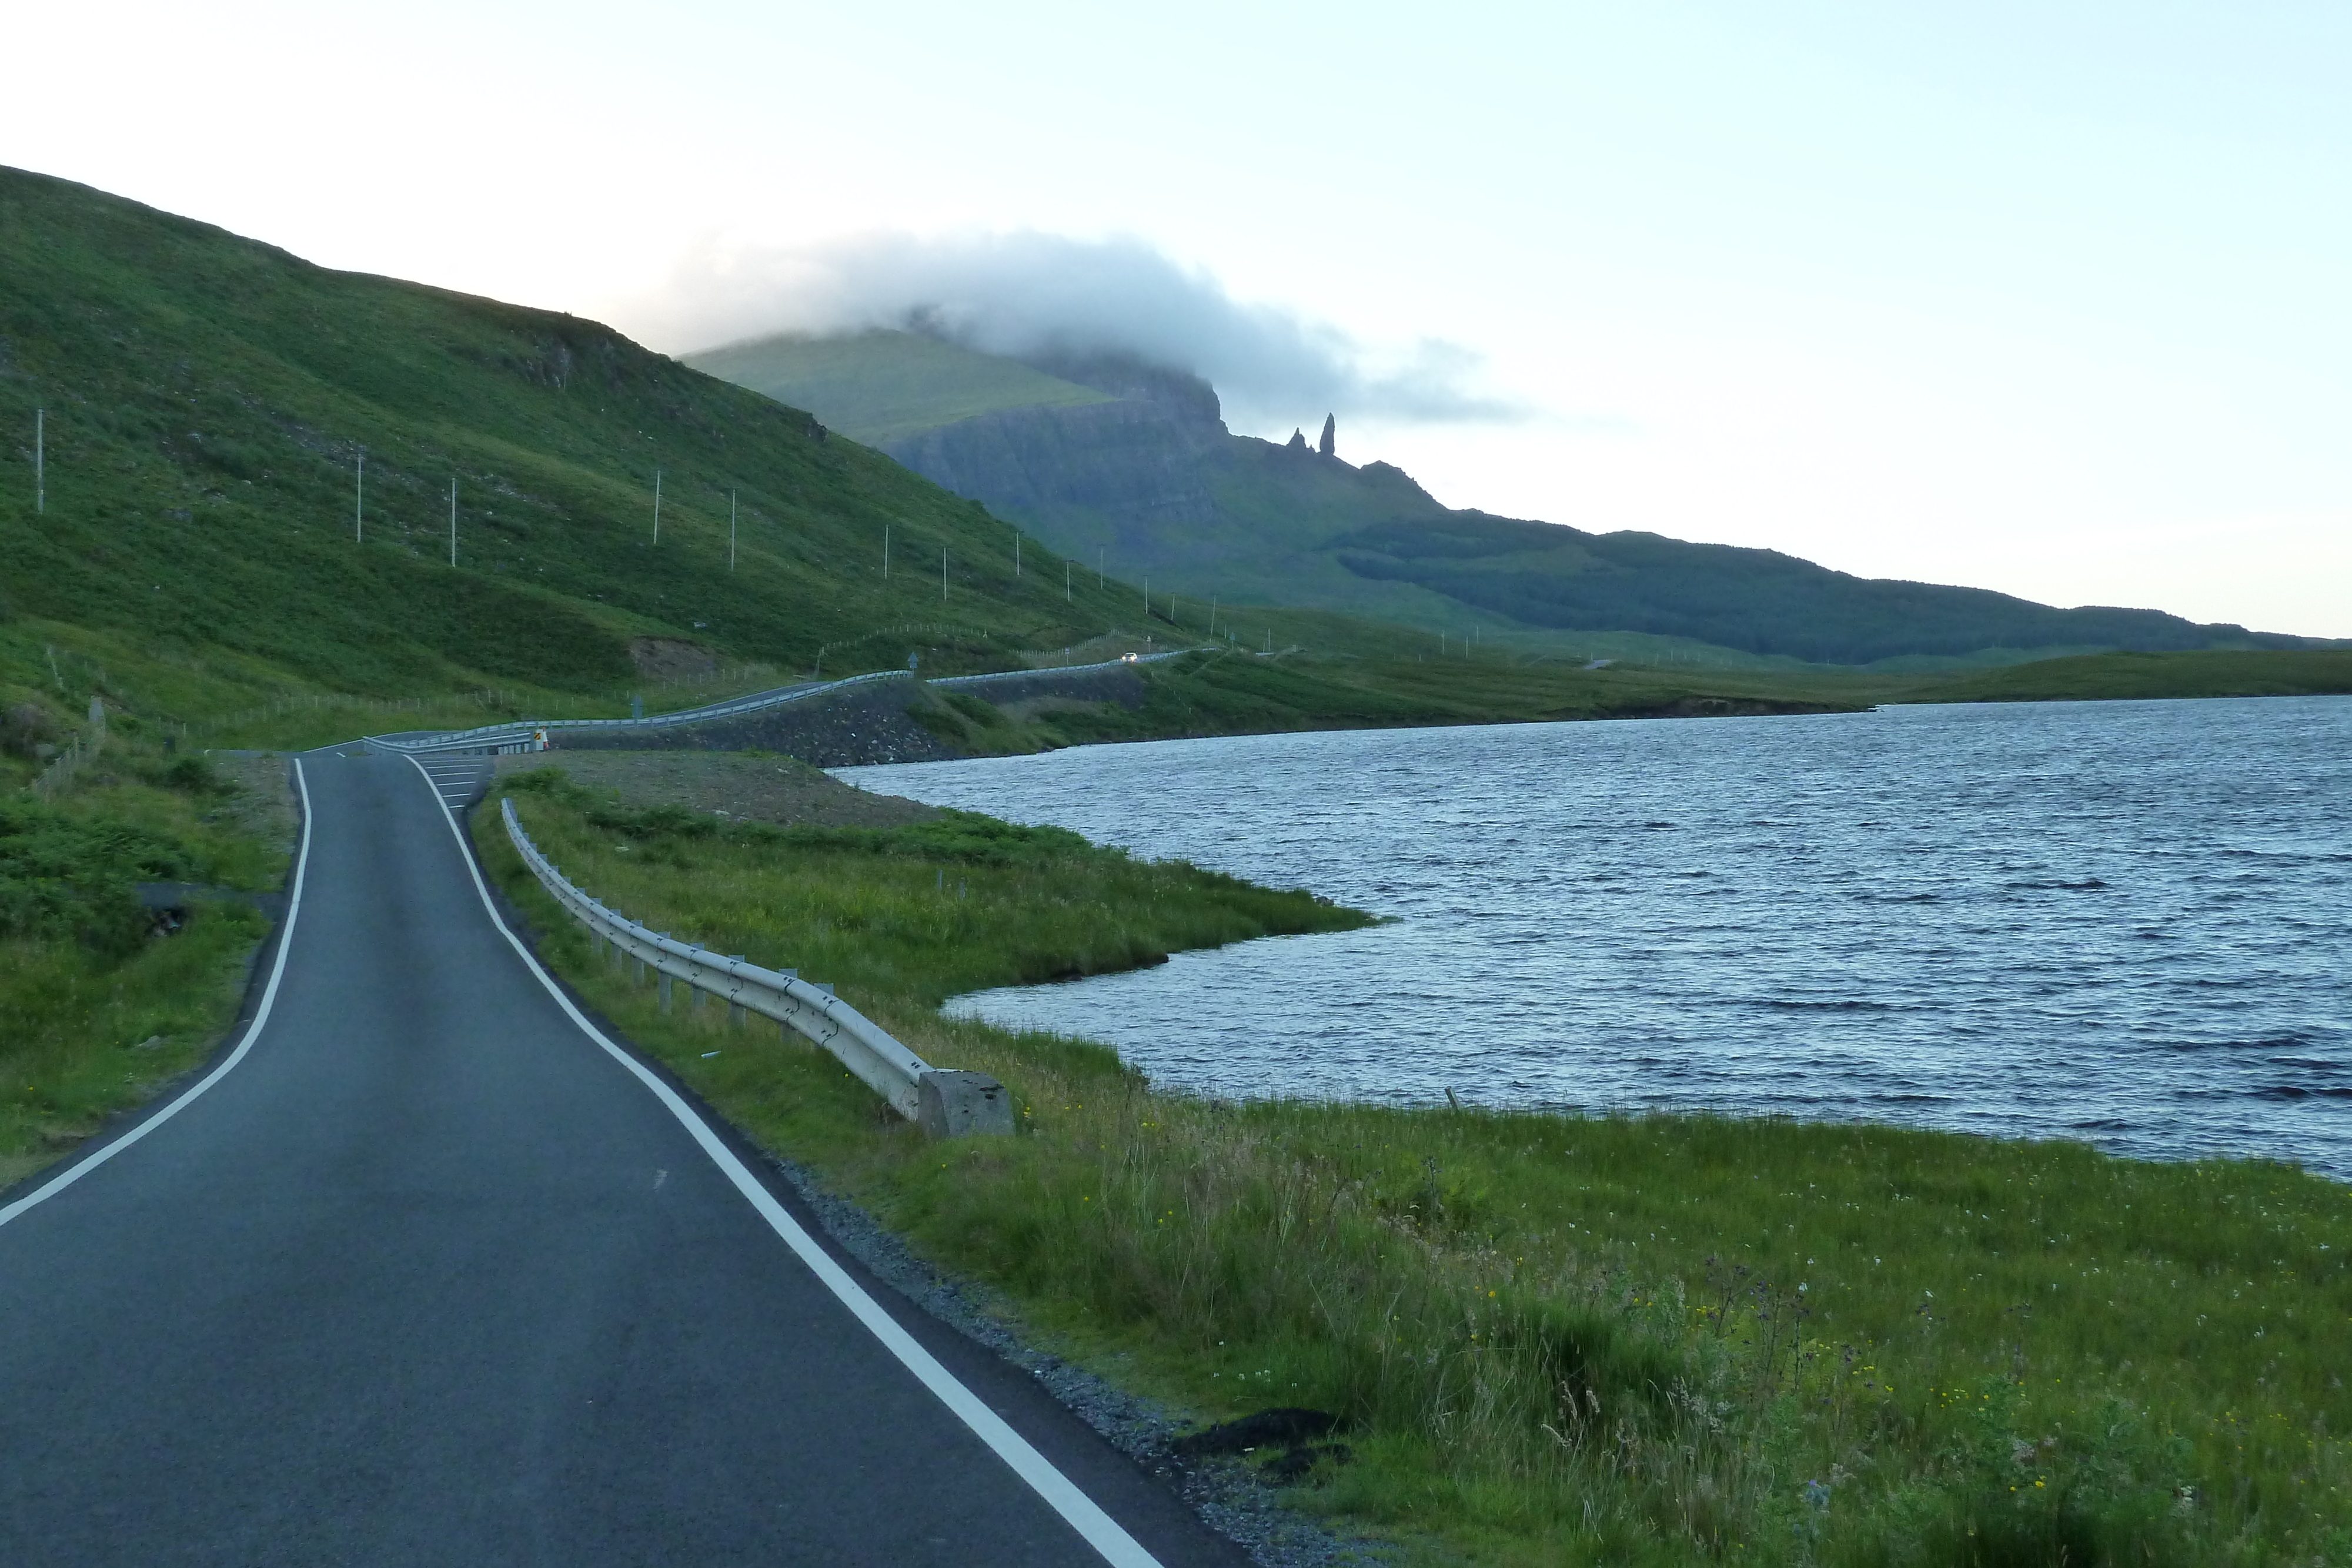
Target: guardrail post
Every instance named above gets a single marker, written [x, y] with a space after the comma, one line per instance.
[665, 991]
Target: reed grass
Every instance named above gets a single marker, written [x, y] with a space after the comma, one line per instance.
[1555, 1339]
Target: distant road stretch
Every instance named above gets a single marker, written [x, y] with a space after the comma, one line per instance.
[426, 1271]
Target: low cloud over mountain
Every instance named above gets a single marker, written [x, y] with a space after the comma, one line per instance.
[1025, 295]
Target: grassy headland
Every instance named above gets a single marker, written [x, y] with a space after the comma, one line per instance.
[877, 385]
[1333, 685]
[2284, 673]
[1552, 1339]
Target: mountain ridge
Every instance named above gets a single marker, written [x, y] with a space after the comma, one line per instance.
[1152, 483]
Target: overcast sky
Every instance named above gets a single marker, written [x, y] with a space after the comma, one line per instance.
[2046, 298]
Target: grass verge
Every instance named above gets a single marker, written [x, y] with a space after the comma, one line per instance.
[1552, 1339]
[89, 1035]
[102, 1006]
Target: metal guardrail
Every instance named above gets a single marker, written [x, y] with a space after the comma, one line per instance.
[522, 735]
[530, 734]
[944, 1101]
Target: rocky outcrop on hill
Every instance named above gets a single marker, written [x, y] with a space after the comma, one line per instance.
[1152, 488]
[1130, 459]
[1141, 460]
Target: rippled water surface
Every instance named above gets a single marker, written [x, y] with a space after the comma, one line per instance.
[2130, 923]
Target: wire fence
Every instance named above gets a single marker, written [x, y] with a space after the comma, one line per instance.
[493, 699]
[52, 781]
[905, 629]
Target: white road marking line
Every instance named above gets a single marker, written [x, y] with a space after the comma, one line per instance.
[1081, 1513]
[457, 780]
[73, 1173]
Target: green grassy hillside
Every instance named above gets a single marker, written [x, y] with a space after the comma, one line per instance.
[206, 401]
[876, 386]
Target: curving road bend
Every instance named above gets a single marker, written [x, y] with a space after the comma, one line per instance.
[427, 1272]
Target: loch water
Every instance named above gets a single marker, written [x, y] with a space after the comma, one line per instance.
[2124, 923]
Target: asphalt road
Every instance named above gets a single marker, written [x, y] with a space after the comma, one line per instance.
[428, 1275]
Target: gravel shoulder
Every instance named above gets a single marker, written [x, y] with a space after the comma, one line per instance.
[263, 805]
[744, 786]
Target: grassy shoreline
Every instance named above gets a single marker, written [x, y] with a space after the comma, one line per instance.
[1553, 1339]
[1236, 692]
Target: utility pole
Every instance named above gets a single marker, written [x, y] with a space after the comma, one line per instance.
[358, 503]
[656, 505]
[1066, 580]
[40, 472]
[453, 521]
[731, 530]
[885, 552]
[1100, 552]
[1213, 616]
[1017, 555]
[943, 574]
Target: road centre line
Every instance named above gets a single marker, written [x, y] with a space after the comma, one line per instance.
[74, 1173]
[1081, 1513]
